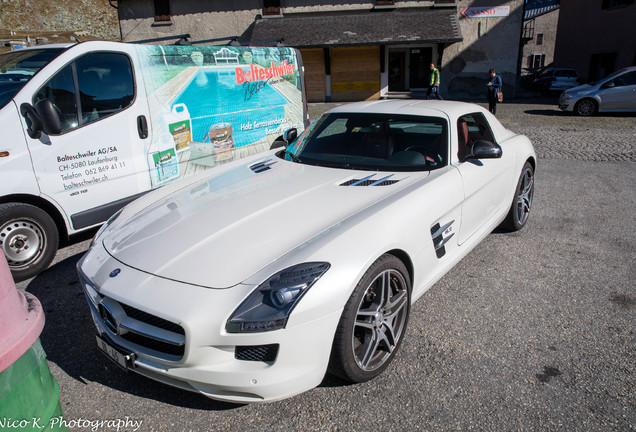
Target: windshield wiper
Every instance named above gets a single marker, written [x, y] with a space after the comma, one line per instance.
[292, 156]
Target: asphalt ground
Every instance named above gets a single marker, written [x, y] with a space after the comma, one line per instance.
[532, 331]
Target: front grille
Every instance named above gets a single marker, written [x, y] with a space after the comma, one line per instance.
[262, 353]
[153, 344]
[154, 321]
[161, 337]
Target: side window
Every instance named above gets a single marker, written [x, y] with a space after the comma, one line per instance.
[471, 128]
[60, 90]
[627, 79]
[105, 84]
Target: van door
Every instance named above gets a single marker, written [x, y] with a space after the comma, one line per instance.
[97, 163]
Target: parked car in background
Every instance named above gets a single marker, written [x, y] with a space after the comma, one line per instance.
[249, 282]
[555, 79]
[614, 93]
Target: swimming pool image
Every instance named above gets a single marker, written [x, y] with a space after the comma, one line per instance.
[249, 105]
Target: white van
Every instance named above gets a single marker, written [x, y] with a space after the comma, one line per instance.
[89, 127]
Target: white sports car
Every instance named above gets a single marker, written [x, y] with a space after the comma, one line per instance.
[250, 282]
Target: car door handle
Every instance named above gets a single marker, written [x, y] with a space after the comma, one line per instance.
[142, 127]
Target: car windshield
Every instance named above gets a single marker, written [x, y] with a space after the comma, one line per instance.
[608, 77]
[17, 68]
[376, 142]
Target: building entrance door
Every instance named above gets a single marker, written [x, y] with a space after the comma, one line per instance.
[420, 67]
[397, 66]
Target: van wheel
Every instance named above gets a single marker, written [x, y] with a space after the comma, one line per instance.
[585, 107]
[28, 238]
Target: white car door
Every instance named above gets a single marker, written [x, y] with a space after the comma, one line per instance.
[97, 162]
[486, 181]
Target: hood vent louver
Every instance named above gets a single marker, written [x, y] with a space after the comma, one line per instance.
[262, 166]
[370, 181]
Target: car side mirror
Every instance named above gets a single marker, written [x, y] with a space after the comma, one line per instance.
[41, 118]
[609, 84]
[288, 136]
[483, 149]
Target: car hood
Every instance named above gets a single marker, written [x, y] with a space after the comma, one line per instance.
[585, 88]
[219, 231]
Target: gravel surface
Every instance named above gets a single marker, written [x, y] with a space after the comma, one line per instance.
[533, 330]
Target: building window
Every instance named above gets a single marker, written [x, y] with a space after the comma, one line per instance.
[536, 61]
[539, 38]
[162, 11]
[528, 30]
[271, 7]
[615, 4]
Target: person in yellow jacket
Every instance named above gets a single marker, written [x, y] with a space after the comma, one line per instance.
[433, 87]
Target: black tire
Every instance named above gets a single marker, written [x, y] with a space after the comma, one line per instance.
[586, 107]
[522, 202]
[28, 239]
[373, 324]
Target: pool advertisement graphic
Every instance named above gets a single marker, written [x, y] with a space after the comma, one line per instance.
[217, 104]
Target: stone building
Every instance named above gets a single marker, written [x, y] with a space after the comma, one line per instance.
[596, 37]
[538, 37]
[356, 49]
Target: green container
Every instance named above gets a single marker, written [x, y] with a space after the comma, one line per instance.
[30, 395]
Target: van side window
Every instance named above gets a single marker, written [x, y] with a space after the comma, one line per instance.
[60, 90]
[105, 83]
[470, 129]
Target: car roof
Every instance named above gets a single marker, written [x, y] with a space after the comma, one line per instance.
[433, 108]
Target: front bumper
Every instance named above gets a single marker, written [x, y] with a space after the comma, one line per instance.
[241, 368]
[566, 104]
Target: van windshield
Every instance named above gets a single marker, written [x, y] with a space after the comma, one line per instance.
[17, 68]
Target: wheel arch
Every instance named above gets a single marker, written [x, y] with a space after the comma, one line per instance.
[406, 260]
[43, 205]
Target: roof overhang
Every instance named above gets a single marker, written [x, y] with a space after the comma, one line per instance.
[394, 27]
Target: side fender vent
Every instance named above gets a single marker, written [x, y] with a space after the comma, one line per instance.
[370, 181]
[262, 166]
[441, 235]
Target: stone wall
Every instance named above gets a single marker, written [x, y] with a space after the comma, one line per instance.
[93, 19]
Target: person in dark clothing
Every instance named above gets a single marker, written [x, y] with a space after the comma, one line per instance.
[494, 88]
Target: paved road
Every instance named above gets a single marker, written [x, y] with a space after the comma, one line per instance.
[532, 331]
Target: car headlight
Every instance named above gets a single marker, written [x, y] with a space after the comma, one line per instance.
[103, 227]
[268, 307]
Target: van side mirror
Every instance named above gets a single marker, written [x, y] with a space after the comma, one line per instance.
[33, 120]
[41, 118]
[50, 118]
[483, 149]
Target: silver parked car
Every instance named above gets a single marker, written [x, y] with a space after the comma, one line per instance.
[614, 93]
[555, 80]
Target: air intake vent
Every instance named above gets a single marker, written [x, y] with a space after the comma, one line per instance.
[262, 353]
[262, 166]
[370, 181]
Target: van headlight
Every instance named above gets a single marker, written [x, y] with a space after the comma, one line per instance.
[268, 307]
